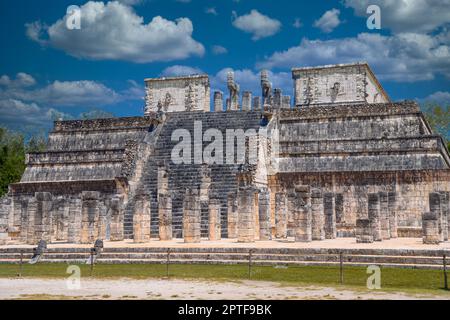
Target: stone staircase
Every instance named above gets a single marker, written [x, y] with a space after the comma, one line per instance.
[399, 258]
[223, 177]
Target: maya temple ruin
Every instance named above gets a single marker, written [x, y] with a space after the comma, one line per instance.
[338, 159]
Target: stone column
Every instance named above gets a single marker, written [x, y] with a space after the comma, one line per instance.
[430, 228]
[165, 217]
[435, 210]
[444, 202]
[191, 216]
[163, 179]
[364, 231]
[102, 220]
[277, 98]
[384, 216]
[215, 230]
[256, 103]
[141, 219]
[265, 230]
[318, 217]
[339, 207]
[232, 216]
[246, 101]
[43, 218]
[117, 219]
[302, 215]
[75, 218]
[374, 215]
[228, 104]
[392, 201]
[90, 214]
[286, 103]
[218, 101]
[246, 211]
[28, 226]
[330, 216]
[280, 215]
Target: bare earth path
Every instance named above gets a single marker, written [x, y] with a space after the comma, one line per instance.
[182, 289]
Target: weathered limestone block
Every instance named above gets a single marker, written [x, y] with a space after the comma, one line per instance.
[330, 216]
[163, 179]
[246, 214]
[302, 215]
[281, 215]
[191, 216]
[444, 202]
[165, 217]
[265, 229]
[392, 205]
[90, 215]
[374, 215]
[430, 228]
[364, 232]
[384, 216]
[117, 219]
[435, 210]
[141, 219]
[75, 218]
[232, 216]
[318, 216]
[215, 231]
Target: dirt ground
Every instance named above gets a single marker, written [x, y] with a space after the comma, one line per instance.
[183, 289]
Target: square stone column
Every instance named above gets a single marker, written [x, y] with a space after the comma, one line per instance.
[191, 216]
[302, 214]
[28, 226]
[384, 216]
[430, 228]
[232, 216]
[43, 216]
[75, 218]
[392, 208]
[215, 230]
[281, 215]
[117, 219]
[330, 216]
[141, 219]
[435, 210]
[374, 215]
[364, 231]
[318, 217]
[90, 216]
[339, 207]
[165, 217]
[265, 228]
[444, 202]
[246, 211]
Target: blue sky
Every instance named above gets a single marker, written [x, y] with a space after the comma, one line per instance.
[48, 71]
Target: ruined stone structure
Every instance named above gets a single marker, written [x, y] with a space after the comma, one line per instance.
[343, 161]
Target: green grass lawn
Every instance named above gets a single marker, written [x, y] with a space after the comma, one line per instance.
[408, 280]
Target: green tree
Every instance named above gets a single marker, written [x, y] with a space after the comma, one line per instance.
[439, 119]
[12, 158]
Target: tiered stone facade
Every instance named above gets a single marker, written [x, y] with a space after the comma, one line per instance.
[343, 162]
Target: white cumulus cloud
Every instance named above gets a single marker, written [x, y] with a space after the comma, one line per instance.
[178, 71]
[259, 25]
[404, 57]
[329, 21]
[406, 15]
[113, 31]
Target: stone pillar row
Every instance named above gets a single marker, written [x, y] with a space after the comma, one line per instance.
[435, 223]
[381, 223]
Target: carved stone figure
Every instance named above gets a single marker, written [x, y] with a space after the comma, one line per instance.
[234, 91]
